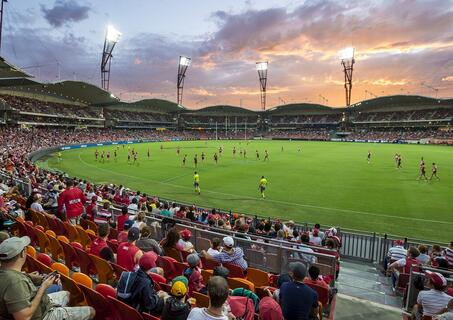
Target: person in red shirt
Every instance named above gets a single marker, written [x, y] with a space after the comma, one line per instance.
[122, 235]
[73, 200]
[315, 278]
[101, 241]
[128, 254]
[89, 210]
[121, 219]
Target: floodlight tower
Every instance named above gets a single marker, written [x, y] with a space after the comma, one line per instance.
[1, 21]
[347, 61]
[184, 63]
[112, 36]
[261, 67]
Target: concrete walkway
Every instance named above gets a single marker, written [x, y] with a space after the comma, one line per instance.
[357, 309]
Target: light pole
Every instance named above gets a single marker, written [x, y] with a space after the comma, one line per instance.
[347, 61]
[261, 67]
[184, 63]
[112, 36]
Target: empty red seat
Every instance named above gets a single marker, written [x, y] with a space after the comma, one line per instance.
[98, 302]
[86, 264]
[167, 264]
[44, 258]
[117, 269]
[70, 256]
[123, 311]
[235, 271]
[106, 290]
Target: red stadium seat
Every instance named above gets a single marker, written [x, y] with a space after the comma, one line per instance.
[86, 264]
[323, 293]
[104, 269]
[106, 290]
[98, 302]
[235, 271]
[123, 311]
[258, 277]
[43, 241]
[117, 269]
[167, 264]
[180, 267]
[44, 258]
[209, 264]
[70, 256]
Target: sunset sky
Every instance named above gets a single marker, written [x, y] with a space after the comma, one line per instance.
[399, 45]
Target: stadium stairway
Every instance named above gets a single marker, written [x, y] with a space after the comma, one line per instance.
[365, 293]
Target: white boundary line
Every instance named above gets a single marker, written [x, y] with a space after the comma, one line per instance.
[270, 200]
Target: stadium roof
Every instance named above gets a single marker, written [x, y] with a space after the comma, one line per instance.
[401, 101]
[9, 71]
[159, 105]
[222, 110]
[300, 107]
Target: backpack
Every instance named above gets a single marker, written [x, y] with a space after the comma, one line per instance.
[125, 285]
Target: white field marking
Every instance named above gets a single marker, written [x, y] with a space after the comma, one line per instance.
[271, 200]
[175, 178]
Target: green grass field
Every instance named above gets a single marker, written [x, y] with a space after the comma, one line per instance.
[327, 182]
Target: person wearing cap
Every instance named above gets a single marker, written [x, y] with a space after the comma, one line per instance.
[229, 254]
[36, 205]
[218, 291]
[136, 288]
[128, 254]
[395, 253]
[21, 299]
[73, 201]
[433, 301]
[193, 273]
[184, 242]
[176, 307]
[298, 301]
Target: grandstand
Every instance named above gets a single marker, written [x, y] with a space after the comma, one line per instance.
[37, 119]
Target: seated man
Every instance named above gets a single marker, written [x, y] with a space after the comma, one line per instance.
[128, 254]
[20, 299]
[395, 253]
[315, 278]
[433, 301]
[101, 241]
[229, 254]
[217, 310]
[298, 301]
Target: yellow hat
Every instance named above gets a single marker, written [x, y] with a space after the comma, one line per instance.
[178, 289]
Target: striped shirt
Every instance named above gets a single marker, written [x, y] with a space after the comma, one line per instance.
[102, 216]
[432, 301]
[397, 253]
[448, 253]
[236, 257]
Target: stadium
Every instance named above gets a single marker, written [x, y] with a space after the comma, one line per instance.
[299, 210]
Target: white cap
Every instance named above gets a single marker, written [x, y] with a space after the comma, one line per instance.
[228, 242]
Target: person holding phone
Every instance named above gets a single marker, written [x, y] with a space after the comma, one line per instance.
[21, 299]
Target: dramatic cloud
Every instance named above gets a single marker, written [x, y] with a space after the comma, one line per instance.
[398, 45]
[64, 12]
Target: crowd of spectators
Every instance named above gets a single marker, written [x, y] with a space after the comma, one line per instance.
[129, 116]
[394, 135]
[306, 119]
[395, 116]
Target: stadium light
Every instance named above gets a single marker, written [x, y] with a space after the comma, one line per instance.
[112, 36]
[261, 67]
[184, 63]
[347, 61]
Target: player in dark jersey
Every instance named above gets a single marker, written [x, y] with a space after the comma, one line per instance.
[266, 155]
[195, 161]
[282, 148]
[434, 172]
[114, 155]
[178, 150]
[240, 153]
[149, 154]
[234, 152]
[128, 157]
[102, 156]
[96, 153]
[422, 170]
[368, 157]
[136, 157]
[108, 155]
[398, 162]
[202, 156]
[184, 160]
[245, 153]
[161, 147]
[216, 159]
[257, 155]
[220, 151]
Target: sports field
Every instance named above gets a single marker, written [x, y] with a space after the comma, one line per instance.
[327, 182]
